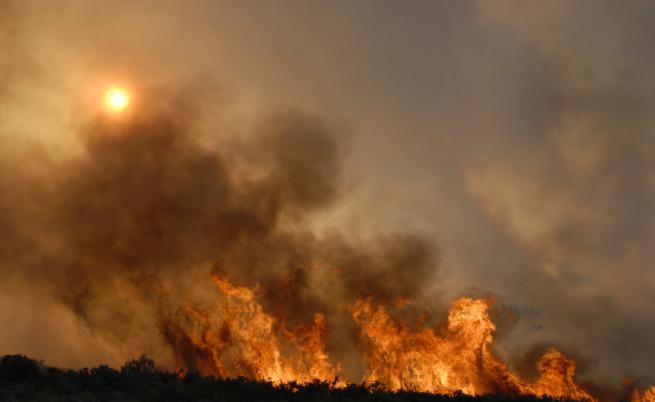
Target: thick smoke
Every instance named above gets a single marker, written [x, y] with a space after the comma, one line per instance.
[132, 229]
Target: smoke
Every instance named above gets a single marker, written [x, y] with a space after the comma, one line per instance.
[518, 136]
[569, 179]
[133, 228]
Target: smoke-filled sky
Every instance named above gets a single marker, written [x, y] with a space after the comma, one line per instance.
[428, 149]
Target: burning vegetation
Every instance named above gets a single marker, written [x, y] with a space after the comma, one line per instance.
[238, 338]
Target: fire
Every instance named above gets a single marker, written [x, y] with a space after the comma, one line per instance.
[457, 359]
[242, 340]
[557, 377]
[239, 338]
[647, 396]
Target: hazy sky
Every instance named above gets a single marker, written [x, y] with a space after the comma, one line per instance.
[515, 135]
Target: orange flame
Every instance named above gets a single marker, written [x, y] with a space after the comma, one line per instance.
[458, 360]
[241, 339]
[647, 396]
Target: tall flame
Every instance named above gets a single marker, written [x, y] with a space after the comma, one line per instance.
[242, 340]
[458, 359]
[239, 338]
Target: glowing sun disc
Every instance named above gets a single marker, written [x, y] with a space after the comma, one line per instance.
[117, 99]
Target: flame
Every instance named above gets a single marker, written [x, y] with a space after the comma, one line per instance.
[242, 340]
[648, 394]
[557, 377]
[239, 338]
[458, 359]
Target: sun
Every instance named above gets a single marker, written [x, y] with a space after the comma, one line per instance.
[116, 99]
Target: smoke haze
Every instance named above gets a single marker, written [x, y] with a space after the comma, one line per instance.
[327, 152]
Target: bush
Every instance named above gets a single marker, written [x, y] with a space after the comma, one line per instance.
[18, 368]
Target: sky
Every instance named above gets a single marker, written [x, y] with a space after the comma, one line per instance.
[515, 138]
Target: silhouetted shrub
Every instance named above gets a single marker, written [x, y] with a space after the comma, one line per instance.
[17, 368]
[143, 366]
[24, 379]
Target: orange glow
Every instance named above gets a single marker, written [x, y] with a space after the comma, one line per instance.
[239, 338]
[456, 359]
[647, 396]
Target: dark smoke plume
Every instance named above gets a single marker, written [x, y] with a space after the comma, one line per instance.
[133, 228]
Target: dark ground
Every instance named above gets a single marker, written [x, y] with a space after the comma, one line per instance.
[25, 379]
